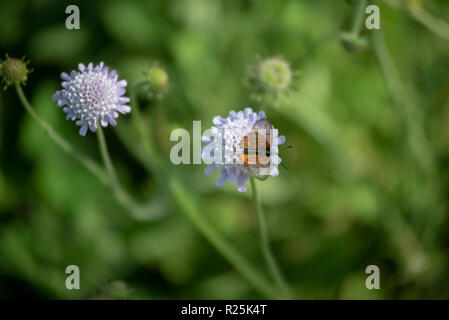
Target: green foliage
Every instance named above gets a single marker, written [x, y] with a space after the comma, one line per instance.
[367, 179]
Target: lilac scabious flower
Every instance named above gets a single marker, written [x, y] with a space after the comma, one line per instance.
[92, 96]
[226, 138]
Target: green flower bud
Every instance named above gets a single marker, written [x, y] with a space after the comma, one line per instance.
[13, 71]
[159, 80]
[274, 74]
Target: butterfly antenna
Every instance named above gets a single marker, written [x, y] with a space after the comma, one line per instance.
[288, 147]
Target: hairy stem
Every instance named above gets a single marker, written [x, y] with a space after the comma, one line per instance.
[88, 163]
[139, 212]
[265, 244]
[417, 140]
[358, 17]
[139, 123]
[240, 263]
[107, 178]
[188, 206]
[113, 181]
[417, 11]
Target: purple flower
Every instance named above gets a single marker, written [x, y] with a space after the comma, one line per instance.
[227, 135]
[91, 96]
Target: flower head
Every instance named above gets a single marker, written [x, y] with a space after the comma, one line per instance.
[271, 78]
[93, 95]
[225, 142]
[158, 79]
[14, 71]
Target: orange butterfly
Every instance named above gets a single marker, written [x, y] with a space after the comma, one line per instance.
[256, 149]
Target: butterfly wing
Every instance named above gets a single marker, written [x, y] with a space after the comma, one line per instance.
[254, 160]
[263, 123]
[262, 161]
[263, 140]
[249, 141]
[261, 171]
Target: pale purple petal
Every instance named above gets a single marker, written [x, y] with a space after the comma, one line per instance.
[124, 109]
[82, 67]
[281, 139]
[83, 129]
[65, 77]
[210, 169]
[223, 178]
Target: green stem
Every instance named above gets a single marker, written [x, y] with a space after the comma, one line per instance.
[358, 17]
[416, 137]
[139, 123]
[240, 263]
[88, 163]
[265, 245]
[435, 24]
[139, 212]
[113, 181]
[189, 207]
[412, 118]
[105, 177]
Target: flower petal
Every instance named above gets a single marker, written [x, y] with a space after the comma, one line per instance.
[281, 139]
[83, 129]
[210, 169]
[82, 67]
[274, 171]
[223, 178]
[124, 109]
[65, 77]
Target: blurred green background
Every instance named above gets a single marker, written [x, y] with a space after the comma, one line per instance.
[367, 180]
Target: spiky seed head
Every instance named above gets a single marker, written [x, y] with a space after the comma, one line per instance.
[274, 74]
[272, 80]
[14, 71]
[227, 134]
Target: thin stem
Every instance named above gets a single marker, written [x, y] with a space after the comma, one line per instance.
[113, 181]
[105, 177]
[358, 17]
[435, 24]
[138, 120]
[139, 212]
[417, 140]
[189, 207]
[88, 163]
[265, 244]
[243, 266]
